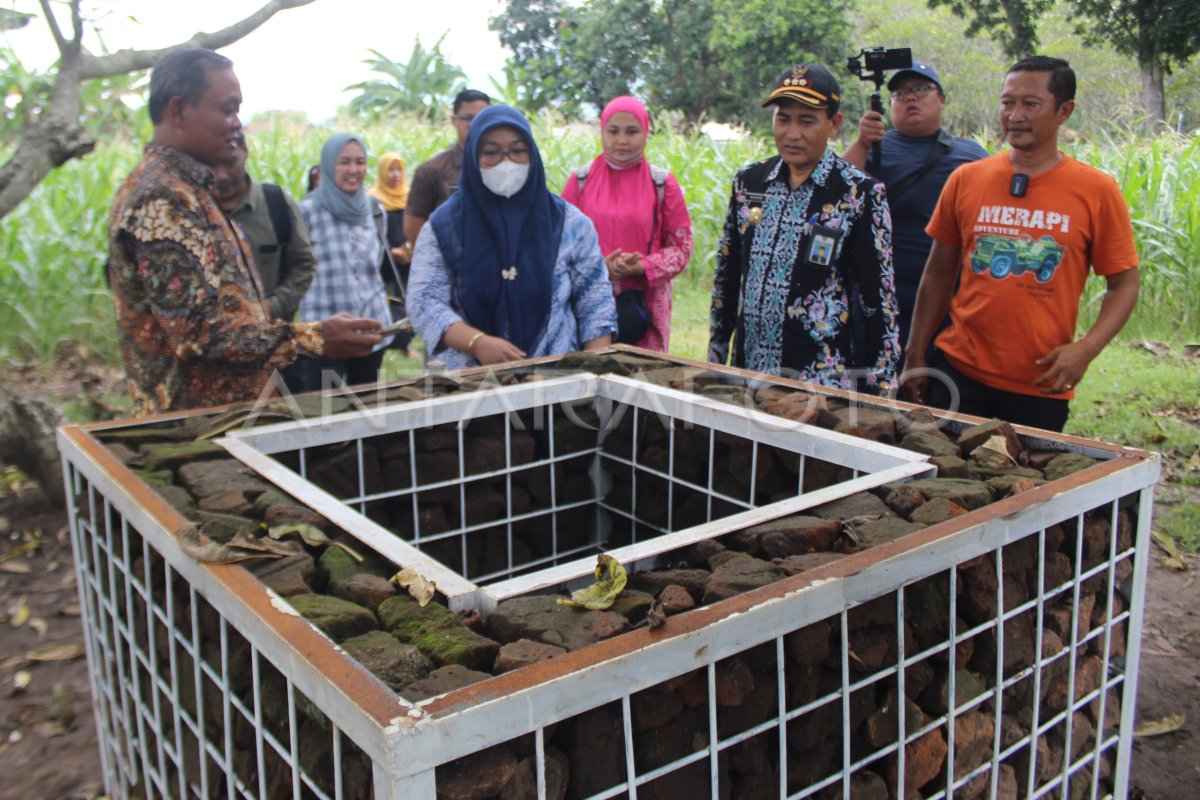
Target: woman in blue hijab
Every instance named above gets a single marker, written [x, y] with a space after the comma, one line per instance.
[506, 269]
[347, 243]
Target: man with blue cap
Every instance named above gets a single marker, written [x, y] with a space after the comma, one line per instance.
[918, 157]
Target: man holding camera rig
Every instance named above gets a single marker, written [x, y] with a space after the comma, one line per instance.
[917, 159]
[805, 233]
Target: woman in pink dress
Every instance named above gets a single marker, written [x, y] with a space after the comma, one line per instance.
[639, 213]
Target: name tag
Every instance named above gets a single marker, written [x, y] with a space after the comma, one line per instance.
[822, 244]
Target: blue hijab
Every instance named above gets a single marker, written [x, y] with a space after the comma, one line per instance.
[353, 209]
[494, 234]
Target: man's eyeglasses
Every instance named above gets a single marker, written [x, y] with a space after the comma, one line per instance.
[913, 91]
[491, 156]
[467, 118]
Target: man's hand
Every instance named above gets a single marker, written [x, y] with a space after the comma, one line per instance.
[915, 387]
[494, 350]
[349, 337]
[870, 129]
[1067, 364]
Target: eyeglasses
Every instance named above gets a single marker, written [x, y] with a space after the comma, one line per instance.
[914, 91]
[467, 118]
[491, 156]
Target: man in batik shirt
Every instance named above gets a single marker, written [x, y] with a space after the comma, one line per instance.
[192, 321]
[805, 232]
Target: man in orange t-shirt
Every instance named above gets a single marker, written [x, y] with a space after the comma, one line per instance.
[1019, 231]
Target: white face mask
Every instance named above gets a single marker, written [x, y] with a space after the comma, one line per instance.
[506, 178]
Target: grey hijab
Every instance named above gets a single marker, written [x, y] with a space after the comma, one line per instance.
[353, 209]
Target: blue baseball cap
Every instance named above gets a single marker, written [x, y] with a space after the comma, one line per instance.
[921, 70]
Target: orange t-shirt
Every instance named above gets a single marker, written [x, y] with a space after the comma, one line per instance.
[1024, 263]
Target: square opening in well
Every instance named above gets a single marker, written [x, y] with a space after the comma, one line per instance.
[518, 488]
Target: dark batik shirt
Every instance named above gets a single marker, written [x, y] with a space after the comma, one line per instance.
[788, 264]
[193, 326]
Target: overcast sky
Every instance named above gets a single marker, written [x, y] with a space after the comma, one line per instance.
[301, 58]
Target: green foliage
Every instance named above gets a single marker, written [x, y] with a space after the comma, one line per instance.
[701, 58]
[1012, 24]
[423, 85]
[1166, 32]
[756, 40]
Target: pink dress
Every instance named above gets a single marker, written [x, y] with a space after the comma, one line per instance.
[623, 205]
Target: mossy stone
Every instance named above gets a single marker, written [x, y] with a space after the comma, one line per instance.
[172, 455]
[339, 619]
[438, 632]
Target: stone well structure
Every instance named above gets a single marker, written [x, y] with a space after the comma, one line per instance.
[827, 596]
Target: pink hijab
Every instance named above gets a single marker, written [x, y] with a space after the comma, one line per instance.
[620, 200]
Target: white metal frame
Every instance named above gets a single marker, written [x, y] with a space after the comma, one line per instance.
[256, 447]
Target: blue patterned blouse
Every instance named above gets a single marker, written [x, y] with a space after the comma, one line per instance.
[789, 265]
[582, 306]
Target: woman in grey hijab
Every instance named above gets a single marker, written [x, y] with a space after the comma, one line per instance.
[346, 241]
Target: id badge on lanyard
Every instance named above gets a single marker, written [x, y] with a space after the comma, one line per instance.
[820, 247]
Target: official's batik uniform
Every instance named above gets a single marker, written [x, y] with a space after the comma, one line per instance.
[788, 263]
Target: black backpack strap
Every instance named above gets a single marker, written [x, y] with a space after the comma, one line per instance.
[942, 147]
[281, 220]
[581, 174]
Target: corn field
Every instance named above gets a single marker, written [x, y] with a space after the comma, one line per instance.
[53, 293]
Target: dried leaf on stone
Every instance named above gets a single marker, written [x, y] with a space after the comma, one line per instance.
[245, 540]
[16, 567]
[208, 552]
[1158, 727]
[56, 652]
[22, 680]
[1173, 559]
[999, 444]
[312, 536]
[39, 626]
[421, 588]
[20, 614]
[610, 580]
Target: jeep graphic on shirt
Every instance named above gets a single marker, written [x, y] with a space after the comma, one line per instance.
[1003, 256]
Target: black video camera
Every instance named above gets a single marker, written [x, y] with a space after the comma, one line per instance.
[869, 65]
[872, 62]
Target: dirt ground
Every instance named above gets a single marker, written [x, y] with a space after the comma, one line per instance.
[48, 735]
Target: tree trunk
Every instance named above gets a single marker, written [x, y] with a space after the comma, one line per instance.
[1153, 98]
[56, 137]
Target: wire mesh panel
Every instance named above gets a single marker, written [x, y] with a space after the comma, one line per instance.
[1002, 674]
[186, 705]
[518, 488]
[993, 654]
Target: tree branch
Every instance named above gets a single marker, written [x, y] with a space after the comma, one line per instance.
[52, 21]
[125, 61]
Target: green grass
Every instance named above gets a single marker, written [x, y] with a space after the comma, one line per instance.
[1138, 398]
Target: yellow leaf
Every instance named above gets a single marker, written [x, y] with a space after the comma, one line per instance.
[1167, 543]
[56, 652]
[21, 615]
[603, 593]
[421, 588]
[16, 567]
[21, 680]
[39, 626]
[1158, 727]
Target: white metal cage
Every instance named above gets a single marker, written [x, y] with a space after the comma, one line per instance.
[208, 685]
[582, 438]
